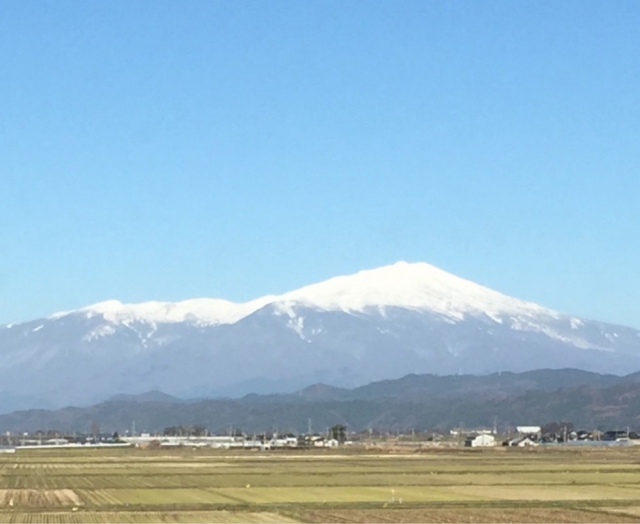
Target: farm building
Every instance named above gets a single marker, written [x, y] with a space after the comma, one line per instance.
[521, 442]
[480, 441]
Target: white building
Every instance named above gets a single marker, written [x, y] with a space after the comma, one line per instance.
[528, 430]
[522, 442]
[480, 441]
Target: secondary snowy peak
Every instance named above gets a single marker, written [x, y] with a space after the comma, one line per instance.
[417, 286]
[204, 311]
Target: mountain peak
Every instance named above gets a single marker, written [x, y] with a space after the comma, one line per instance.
[417, 285]
[410, 285]
[375, 324]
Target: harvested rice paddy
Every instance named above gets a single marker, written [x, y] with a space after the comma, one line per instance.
[185, 485]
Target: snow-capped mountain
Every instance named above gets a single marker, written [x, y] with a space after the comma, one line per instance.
[349, 330]
[417, 286]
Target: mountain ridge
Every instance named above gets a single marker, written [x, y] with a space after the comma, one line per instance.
[347, 331]
[410, 285]
[415, 401]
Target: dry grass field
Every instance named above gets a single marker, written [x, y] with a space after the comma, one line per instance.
[186, 485]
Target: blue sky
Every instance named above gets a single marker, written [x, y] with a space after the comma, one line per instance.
[164, 150]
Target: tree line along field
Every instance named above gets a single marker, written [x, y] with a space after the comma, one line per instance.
[187, 485]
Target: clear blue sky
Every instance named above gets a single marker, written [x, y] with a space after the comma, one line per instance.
[164, 150]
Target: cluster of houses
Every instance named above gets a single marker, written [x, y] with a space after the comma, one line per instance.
[233, 442]
[261, 442]
[524, 436]
[527, 436]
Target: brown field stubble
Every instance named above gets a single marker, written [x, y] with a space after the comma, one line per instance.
[186, 485]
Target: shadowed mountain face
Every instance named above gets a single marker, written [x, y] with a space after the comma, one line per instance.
[347, 331]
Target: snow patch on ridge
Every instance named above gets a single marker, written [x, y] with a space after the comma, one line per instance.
[297, 324]
[102, 331]
[576, 323]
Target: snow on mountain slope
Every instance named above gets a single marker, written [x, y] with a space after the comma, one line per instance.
[346, 331]
[201, 311]
[417, 286]
[413, 286]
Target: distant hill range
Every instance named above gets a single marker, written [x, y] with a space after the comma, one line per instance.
[150, 396]
[347, 331]
[589, 400]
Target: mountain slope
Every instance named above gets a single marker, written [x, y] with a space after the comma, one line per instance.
[422, 402]
[346, 331]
